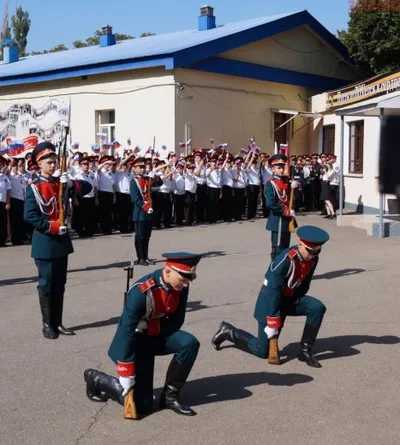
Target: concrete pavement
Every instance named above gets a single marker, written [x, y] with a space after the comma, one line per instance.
[353, 399]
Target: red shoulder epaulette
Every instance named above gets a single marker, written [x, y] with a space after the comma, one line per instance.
[146, 285]
[292, 254]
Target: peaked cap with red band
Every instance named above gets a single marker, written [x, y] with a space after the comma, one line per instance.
[183, 262]
[278, 159]
[312, 237]
[139, 161]
[43, 150]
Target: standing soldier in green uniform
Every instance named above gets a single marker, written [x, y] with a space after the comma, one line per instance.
[140, 189]
[283, 293]
[277, 197]
[51, 243]
[149, 326]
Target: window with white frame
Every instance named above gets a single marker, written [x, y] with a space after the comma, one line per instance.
[105, 123]
[356, 147]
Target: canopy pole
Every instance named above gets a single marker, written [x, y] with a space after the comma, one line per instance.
[341, 175]
[381, 196]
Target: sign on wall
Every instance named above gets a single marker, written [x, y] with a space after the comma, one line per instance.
[24, 125]
[374, 87]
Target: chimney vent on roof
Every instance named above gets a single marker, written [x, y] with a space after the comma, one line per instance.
[107, 38]
[10, 51]
[206, 19]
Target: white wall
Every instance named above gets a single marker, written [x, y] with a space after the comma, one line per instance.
[143, 100]
[232, 109]
[359, 189]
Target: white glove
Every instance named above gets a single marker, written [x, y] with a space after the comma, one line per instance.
[142, 325]
[294, 184]
[62, 230]
[127, 383]
[151, 174]
[271, 332]
[292, 213]
[150, 211]
[65, 179]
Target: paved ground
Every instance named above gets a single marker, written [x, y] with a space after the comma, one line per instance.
[353, 399]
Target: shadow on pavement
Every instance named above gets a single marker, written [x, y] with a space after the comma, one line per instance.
[234, 386]
[341, 346]
[337, 274]
[121, 264]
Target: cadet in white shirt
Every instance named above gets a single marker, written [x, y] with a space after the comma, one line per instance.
[164, 212]
[335, 178]
[123, 178]
[213, 174]
[85, 216]
[201, 191]
[266, 173]
[190, 194]
[17, 201]
[227, 189]
[106, 193]
[5, 196]
[253, 186]
[239, 188]
[179, 193]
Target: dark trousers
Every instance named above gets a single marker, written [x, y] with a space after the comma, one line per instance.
[201, 205]
[213, 198]
[124, 210]
[316, 194]
[3, 224]
[283, 244]
[252, 200]
[164, 210]
[106, 211]
[311, 307]
[51, 286]
[190, 208]
[308, 199]
[179, 209]
[154, 200]
[143, 230]
[335, 196]
[185, 347]
[85, 217]
[227, 203]
[239, 203]
[17, 222]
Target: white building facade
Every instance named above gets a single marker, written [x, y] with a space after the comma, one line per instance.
[229, 83]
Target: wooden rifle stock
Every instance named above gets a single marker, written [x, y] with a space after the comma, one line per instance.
[129, 406]
[292, 227]
[273, 355]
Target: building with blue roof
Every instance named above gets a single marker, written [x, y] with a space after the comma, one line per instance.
[228, 82]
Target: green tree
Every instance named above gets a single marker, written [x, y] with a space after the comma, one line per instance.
[5, 28]
[59, 47]
[95, 40]
[147, 34]
[21, 25]
[373, 35]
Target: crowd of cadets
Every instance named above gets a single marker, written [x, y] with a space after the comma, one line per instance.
[197, 189]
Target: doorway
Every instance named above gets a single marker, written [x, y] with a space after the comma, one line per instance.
[281, 135]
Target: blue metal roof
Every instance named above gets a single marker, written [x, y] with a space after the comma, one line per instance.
[186, 48]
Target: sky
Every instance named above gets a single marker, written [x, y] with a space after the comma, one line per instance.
[55, 22]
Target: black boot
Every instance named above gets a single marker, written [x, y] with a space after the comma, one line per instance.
[58, 315]
[225, 332]
[176, 378]
[309, 335]
[140, 253]
[48, 331]
[100, 386]
[241, 339]
[146, 253]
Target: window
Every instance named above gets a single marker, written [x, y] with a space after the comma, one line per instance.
[105, 123]
[356, 147]
[328, 139]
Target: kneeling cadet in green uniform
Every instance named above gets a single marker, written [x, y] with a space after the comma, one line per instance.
[51, 243]
[283, 293]
[150, 326]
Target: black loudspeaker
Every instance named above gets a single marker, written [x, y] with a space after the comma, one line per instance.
[389, 155]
